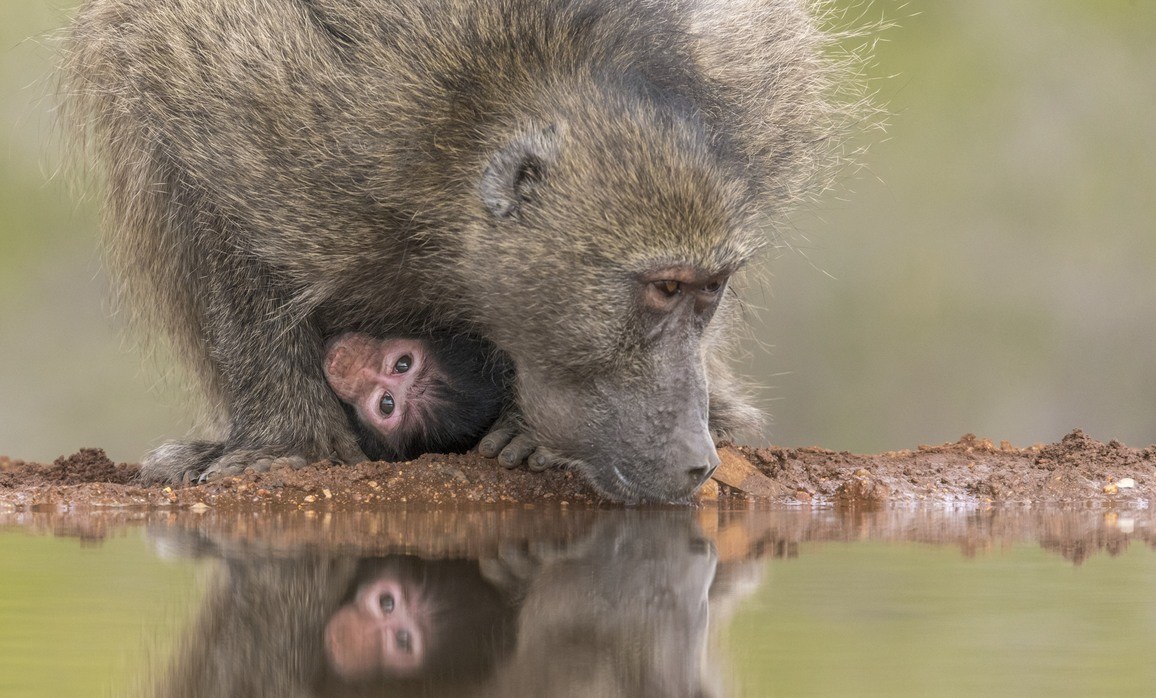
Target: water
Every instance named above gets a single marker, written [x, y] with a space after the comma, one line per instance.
[549, 602]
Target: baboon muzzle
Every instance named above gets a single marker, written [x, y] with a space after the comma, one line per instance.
[646, 437]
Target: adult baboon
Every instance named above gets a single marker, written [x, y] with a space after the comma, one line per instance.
[576, 181]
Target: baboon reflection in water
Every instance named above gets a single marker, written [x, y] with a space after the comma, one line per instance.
[621, 611]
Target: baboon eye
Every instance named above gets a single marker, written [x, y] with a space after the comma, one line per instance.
[403, 364]
[713, 287]
[404, 640]
[668, 287]
[386, 405]
[387, 603]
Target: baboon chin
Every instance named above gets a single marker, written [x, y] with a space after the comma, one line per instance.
[574, 181]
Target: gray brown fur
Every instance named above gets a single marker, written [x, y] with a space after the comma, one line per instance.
[278, 171]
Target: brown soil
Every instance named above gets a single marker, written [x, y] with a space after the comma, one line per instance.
[1078, 469]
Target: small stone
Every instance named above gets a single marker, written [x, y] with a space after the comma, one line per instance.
[1111, 488]
[455, 473]
[310, 498]
[709, 491]
[1126, 483]
[327, 493]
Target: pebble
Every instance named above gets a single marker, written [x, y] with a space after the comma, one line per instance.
[1125, 483]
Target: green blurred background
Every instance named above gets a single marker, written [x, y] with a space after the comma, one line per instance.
[989, 270]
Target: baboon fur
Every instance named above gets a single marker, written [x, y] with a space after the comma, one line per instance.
[528, 171]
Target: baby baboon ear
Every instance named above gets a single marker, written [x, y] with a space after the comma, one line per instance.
[518, 171]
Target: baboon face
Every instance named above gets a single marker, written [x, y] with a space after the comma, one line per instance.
[414, 395]
[385, 382]
[635, 231]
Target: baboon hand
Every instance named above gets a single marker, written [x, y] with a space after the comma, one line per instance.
[509, 442]
[255, 461]
[204, 461]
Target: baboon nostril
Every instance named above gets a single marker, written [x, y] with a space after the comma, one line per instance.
[700, 475]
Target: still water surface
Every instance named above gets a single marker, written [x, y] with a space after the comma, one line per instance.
[571, 602]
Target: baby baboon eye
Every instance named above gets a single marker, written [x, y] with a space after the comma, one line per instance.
[404, 641]
[403, 364]
[386, 405]
[668, 287]
[386, 602]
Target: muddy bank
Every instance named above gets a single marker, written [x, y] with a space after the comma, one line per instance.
[971, 471]
[737, 532]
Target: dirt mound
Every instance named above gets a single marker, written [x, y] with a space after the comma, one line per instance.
[1076, 469]
[85, 466]
[969, 471]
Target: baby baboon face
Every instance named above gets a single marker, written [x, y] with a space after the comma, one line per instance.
[412, 396]
[384, 380]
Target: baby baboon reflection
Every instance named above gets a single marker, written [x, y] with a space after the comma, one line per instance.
[405, 618]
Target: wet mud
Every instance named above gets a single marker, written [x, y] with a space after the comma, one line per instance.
[971, 471]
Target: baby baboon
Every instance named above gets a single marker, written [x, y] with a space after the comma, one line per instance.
[421, 620]
[409, 396]
[575, 181]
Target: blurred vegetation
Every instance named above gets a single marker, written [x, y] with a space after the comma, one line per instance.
[992, 269]
[84, 619]
[67, 377]
[905, 619]
[989, 270]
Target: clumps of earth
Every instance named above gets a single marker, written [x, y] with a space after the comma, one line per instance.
[1077, 469]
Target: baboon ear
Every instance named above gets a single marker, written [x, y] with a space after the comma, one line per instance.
[517, 172]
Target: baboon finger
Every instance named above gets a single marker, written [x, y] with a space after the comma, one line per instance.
[517, 451]
[541, 459]
[261, 465]
[493, 443]
[288, 462]
[220, 472]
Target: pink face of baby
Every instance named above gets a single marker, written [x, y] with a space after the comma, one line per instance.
[382, 631]
[379, 377]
